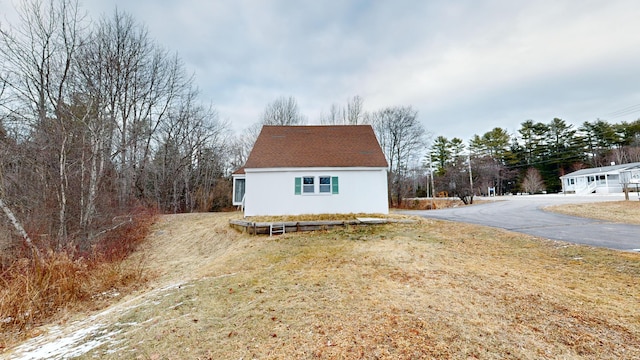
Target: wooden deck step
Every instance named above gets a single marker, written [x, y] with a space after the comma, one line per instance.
[277, 229]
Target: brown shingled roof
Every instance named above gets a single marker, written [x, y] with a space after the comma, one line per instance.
[316, 146]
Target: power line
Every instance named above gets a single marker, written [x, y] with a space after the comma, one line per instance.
[632, 107]
[624, 111]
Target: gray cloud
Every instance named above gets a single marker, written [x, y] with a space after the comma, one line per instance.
[467, 66]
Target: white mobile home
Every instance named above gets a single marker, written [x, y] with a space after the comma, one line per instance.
[606, 179]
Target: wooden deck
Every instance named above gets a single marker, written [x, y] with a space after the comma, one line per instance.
[263, 228]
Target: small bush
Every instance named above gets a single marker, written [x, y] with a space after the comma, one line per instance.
[428, 204]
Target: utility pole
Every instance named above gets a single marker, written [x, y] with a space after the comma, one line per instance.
[470, 176]
[433, 189]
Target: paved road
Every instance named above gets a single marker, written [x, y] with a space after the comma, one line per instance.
[524, 214]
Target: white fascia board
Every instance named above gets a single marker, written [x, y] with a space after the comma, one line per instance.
[303, 169]
[612, 172]
[238, 176]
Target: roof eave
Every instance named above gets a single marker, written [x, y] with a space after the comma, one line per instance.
[315, 168]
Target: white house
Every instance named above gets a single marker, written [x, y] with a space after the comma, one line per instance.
[606, 179]
[295, 170]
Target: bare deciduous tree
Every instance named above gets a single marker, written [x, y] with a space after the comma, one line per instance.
[282, 111]
[134, 84]
[242, 145]
[17, 224]
[333, 117]
[532, 182]
[355, 111]
[401, 136]
[188, 163]
[455, 180]
[351, 114]
[39, 58]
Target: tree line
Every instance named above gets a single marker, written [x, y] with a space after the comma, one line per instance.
[96, 119]
[532, 159]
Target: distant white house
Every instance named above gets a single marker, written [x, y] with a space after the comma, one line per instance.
[295, 170]
[606, 179]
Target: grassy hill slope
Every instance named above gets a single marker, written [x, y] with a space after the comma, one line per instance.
[425, 290]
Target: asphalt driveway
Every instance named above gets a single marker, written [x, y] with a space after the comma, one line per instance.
[524, 214]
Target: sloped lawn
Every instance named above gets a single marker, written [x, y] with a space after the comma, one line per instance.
[403, 291]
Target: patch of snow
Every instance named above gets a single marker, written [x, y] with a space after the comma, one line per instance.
[83, 336]
[64, 347]
[122, 324]
[173, 307]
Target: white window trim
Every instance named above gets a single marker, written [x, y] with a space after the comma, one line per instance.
[320, 184]
[233, 195]
[304, 186]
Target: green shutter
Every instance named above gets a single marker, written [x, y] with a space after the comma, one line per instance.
[298, 187]
[334, 185]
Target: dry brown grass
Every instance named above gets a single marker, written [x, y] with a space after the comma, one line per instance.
[428, 204]
[407, 204]
[614, 211]
[320, 217]
[62, 283]
[432, 290]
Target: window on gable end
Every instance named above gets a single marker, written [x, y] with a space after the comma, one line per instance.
[308, 185]
[325, 185]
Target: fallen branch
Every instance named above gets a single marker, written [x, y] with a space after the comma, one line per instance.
[129, 220]
[20, 229]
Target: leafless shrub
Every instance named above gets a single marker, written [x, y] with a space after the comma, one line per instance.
[532, 182]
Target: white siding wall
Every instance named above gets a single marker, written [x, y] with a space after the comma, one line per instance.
[567, 186]
[578, 183]
[273, 192]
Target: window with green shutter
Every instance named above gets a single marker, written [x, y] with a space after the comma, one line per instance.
[307, 185]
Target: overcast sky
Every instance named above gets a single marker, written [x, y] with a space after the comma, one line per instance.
[466, 66]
